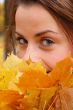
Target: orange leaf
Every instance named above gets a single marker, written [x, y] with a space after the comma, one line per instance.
[61, 71]
[34, 76]
[8, 96]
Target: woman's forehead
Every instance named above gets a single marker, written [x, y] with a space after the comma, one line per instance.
[35, 18]
[32, 12]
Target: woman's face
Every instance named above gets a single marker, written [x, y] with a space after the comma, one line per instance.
[39, 36]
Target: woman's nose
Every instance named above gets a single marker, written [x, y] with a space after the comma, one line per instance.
[31, 53]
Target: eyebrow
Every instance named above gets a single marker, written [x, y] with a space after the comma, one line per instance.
[19, 34]
[40, 33]
[44, 32]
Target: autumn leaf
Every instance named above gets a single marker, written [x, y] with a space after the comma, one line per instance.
[63, 100]
[66, 97]
[8, 98]
[11, 61]
[10, 71]
[37, 99]
[34, 76]
[62, 71]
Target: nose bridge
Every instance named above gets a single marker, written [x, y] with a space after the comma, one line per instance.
[30, 53]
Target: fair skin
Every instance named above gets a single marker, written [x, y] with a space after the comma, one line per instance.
[39, 36]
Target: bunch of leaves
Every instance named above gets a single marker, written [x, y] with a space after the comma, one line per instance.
[28, 87]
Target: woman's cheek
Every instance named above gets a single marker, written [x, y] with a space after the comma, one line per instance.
[51, 58]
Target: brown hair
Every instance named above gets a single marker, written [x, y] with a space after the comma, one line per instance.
[61, 9]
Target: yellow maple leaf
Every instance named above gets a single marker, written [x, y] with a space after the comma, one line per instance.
[10, 71]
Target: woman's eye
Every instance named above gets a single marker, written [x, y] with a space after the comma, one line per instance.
[21, 41]
[47, 42]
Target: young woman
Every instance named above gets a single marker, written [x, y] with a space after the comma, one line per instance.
[41, 30]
